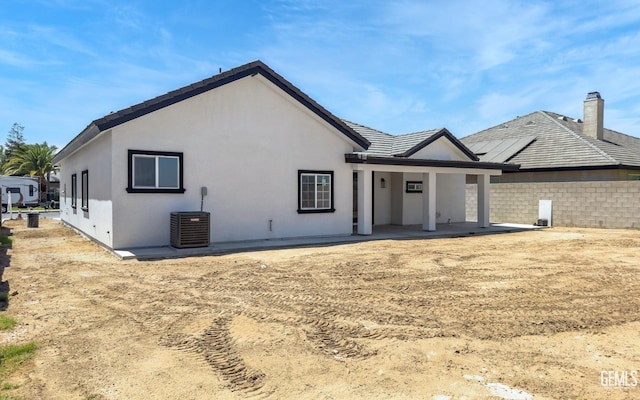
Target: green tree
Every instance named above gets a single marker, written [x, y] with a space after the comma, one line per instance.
[33, 160]
[15, 140]
[3, 157]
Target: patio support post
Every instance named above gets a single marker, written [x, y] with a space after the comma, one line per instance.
[429, 201]
[364, 203]
[483, 200]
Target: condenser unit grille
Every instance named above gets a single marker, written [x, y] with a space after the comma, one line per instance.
[190, 229]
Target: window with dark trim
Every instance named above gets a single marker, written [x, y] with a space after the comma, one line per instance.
[31, 190]
[315, 191]
[85, 190]
[414, 187]
[13, 190]
[155, 172]
[74, 190]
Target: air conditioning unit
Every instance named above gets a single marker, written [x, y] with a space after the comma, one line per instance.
[190, 229]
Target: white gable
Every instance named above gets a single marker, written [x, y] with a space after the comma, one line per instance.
[441, 149]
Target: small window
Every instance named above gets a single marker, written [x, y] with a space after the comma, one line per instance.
[31, 190]
[85, 190]
[414, 187]
[494, 179]
[74, 190]
[155, 172]
[13, 190]
[315, 191]
[634, 177]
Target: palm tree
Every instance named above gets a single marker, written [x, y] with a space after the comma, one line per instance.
[33, 160]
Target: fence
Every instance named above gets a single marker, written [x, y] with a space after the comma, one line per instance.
[603, 204]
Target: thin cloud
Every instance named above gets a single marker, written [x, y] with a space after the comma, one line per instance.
[398, 66]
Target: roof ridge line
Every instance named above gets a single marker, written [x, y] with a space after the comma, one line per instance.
[422, 131]
[365, 126]
[580, 137]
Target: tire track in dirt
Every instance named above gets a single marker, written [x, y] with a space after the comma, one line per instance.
[217, 348]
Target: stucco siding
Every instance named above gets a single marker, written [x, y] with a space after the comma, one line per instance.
[406, 208]
[441, 149]
[95, 158]
[450, 198]
[244, 141]
[382, 198]
[412, 202]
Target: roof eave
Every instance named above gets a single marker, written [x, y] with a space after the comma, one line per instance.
[84, 137]
[419, 162]
[579, 168]
[256, 67]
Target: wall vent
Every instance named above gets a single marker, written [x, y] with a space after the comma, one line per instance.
[190, 229]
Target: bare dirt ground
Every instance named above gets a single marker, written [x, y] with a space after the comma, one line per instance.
[525, 315]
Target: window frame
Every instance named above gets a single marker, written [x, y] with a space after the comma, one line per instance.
[84, 180]
[316, 210]
[74, 191]
[155, 154]
[413, 187]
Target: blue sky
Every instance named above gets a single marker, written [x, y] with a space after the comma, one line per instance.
[398, 66]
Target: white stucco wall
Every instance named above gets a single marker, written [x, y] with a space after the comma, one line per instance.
[406, 208]
[95, 157]
[382, 198]
[245, 141]
[441, 149]
[411, 202]
[397, 194]
[450, 198]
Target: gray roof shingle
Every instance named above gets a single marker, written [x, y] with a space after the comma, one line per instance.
[387, 145]
[256, 67]
[558, 143]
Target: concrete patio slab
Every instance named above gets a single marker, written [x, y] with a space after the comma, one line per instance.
[384, 232]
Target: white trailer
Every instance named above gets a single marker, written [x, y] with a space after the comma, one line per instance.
[24, 191]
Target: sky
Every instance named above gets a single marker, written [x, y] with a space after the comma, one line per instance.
[397, 66]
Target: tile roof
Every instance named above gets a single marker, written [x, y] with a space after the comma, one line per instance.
[500, 150]
[387, 145]
[256, 67]
[558, 143]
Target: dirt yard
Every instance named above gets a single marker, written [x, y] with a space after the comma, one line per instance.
[512, 316]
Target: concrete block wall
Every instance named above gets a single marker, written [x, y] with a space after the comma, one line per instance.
[603, 204]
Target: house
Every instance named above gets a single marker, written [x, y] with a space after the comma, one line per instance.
[590, 173]
[275, 164]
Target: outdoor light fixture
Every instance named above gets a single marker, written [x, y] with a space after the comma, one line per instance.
[383, 183]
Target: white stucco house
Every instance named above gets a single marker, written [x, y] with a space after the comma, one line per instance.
[275, 164]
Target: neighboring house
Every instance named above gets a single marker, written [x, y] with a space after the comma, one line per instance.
[591, 174]
[275, 164]
[54, 187]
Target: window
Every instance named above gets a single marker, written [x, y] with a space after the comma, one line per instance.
[315, 191]
[74, 190]
[13, 190]
[85, 190]
[634, 177]
[155, 172]
[31, 190]
[414, 187]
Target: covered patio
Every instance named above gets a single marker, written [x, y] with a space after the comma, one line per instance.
[424, 193]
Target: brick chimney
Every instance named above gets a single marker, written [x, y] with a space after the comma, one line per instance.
[593, 121]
